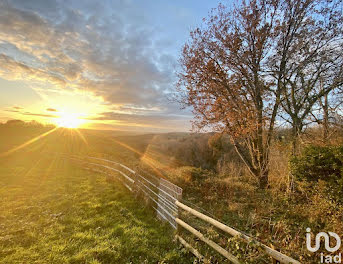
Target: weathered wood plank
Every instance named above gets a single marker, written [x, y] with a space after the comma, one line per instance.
[209, 242]
[271, 252]
[191, 249]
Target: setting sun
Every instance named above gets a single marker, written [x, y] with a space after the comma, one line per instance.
[69, 121]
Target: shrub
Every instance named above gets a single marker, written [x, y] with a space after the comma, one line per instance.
[321, 163]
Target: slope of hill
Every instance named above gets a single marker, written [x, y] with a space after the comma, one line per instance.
[52, 211]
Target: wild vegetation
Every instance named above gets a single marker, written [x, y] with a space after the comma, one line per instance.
[303, 192]
[267, 76]
[252, 66]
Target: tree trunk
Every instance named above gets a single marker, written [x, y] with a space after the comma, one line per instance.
[296, 130]
[325, 118]
[294, 144]
[263, 179]
[257, 169]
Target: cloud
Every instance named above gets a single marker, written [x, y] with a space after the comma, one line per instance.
[15, 70]
[13, 111]
[93, 47]
[21, 111]
[51, 110]
[40, 115]
[17, 107]
[134, 117]
[166, 121]
[129, 121]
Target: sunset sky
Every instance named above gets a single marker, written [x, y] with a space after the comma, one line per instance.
[110, 64]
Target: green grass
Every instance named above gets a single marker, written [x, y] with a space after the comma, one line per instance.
[52, 211]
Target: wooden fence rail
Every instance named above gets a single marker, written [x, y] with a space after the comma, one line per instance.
[209, 242]
[271, 252]
[166, 197]
[191, 249]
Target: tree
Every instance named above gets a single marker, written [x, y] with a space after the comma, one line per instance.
[314, 64]
[235, 73]
[223, 74]
[327, 113]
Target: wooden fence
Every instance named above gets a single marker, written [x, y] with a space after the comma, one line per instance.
[276, 255]
[166, 199]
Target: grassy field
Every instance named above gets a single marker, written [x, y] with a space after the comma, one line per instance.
[52, 211]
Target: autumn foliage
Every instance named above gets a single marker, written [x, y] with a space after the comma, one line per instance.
[241, 71]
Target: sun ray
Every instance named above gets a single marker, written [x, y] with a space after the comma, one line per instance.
[81, 136]
[144, 158]
[29, 142]
[48, 169]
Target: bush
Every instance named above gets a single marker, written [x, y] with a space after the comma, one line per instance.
[186, 175]
[321, 163]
